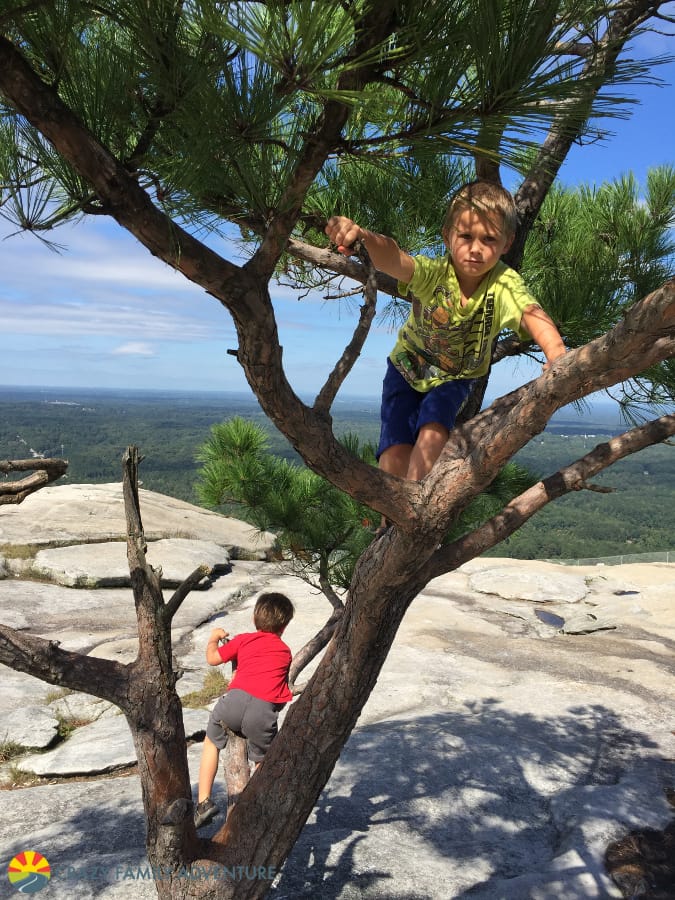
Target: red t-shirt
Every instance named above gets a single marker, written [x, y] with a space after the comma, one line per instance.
[263, 661]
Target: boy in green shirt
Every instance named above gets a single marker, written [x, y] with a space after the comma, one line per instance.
[460, 303]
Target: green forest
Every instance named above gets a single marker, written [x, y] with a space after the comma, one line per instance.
[91, 429]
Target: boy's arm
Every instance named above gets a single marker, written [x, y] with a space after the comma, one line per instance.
[384, 252]
[213, 657]
[541, 328]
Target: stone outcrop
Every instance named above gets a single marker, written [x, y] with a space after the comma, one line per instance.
[105, 565]
[520, 724]
[76, 513]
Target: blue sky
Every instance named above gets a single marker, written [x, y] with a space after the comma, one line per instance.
[105, 313]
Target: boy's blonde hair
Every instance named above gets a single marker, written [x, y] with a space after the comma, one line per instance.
[272, 612]
[487, 199]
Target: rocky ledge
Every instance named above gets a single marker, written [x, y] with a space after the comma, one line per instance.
[521, 724]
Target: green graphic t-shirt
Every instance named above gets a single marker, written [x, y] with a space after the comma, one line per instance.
[441, 340]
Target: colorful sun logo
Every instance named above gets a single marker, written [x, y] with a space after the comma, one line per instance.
[29, 871]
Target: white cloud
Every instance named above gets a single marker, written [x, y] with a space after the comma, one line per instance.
[123, 321]
[98, 261]
[134, 348]
[138, 274]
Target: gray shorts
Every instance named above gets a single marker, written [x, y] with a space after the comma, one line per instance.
[254, 719]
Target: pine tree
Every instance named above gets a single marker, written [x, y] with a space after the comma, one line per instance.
[181, 121]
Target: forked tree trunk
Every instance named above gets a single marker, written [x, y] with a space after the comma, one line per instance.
[270, 814]
[155, 718]
[152, 708]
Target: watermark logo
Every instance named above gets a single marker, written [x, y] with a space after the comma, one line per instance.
[29, 871]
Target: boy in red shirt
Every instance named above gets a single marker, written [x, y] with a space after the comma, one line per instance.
[255, 696]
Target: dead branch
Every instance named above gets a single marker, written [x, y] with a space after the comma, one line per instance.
[154, 625]
[324, 258]
[236, 767]
[192, 581]
[44, 472]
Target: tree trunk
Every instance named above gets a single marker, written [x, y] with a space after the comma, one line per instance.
[284, 790]
[155, 717]
[153, 709]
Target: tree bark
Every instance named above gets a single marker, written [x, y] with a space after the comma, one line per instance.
[236, 767]
[153, 708]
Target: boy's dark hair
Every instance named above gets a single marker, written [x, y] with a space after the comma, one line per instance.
[272, 612]
[488, 199]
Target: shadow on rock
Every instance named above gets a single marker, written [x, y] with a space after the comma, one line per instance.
[90, 840]
[454, 802]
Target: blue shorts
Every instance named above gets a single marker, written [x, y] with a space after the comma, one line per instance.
[404, 410]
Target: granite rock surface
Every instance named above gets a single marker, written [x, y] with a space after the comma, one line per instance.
[502, 749]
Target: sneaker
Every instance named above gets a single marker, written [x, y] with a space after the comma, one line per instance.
[205, 811]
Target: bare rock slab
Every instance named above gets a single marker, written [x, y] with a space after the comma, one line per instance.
[521, 583]
[105, 565]
[74, 513]
[77, 706]
[44, 608]
[103, 746]
[30, 726]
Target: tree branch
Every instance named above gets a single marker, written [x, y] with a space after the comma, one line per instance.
[45, 660]
[352, 351]
[46, 471]
[191, 582]
[324, 258]
[372, 30]
[314, 646]
[119, 192]
[570, 478]
[235, 766]
[568, 127]
[476, 451]
[239, 289]
[154, 625]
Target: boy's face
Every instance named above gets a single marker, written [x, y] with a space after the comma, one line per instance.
[475, 243]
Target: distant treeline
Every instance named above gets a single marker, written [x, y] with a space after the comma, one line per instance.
[91, 429]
